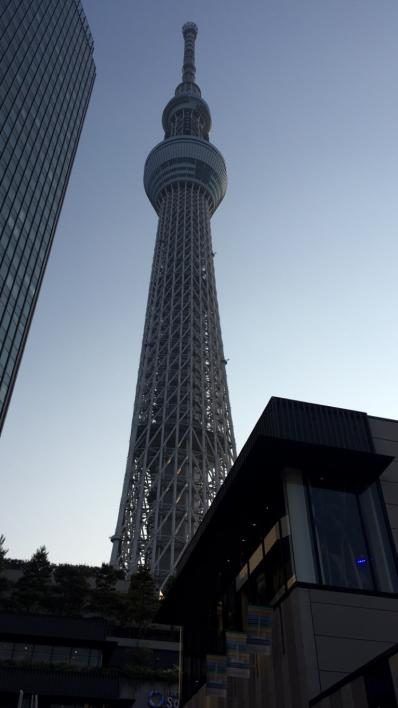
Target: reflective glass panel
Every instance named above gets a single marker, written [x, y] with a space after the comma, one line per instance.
[22, 652]
[343, 552]
[5, 650]
[42, 654]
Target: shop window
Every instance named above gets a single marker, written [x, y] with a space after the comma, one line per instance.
[22, 652]
[95, 658]
[42, 654]
[6, 649]
[80, 657]
[61, 655]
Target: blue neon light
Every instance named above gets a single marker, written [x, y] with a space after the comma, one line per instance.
[361, 561]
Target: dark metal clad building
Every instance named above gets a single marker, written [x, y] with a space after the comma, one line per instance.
[182, 442]
[288, 593]
[46, 78]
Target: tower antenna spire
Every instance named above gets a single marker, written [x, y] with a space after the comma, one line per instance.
[189, 32]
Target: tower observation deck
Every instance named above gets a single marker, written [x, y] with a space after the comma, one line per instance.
[182, 442]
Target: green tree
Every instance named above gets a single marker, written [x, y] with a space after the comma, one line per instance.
[142, 600]
[105, 600]
[4, 583]
[33, 589]
[106, 578]
[71, 589]
[3, 552]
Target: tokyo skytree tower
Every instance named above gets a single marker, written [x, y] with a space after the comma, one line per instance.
[182, 442]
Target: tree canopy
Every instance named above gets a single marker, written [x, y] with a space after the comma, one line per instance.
[74, 590]
[142, 600]
[34, 587]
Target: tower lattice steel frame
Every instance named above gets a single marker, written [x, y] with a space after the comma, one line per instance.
[182, 442]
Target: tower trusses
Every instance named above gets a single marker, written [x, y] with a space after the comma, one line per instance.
[182, 442]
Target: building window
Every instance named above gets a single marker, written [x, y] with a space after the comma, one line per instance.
[42, 654]
[339, 534]
[6, 649]
[22, 652]
[45, 654]
[352, 547]
[343, 553]
[80, 657]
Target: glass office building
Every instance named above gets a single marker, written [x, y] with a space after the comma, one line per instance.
[46, 78]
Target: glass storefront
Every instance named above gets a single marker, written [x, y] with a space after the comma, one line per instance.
[340, 540]
[45, 654]
[339, 535]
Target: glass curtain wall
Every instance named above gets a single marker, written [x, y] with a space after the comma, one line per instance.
[339, 533]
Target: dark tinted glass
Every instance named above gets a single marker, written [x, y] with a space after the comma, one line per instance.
[340, 539]
[42, 654]
[6, 649]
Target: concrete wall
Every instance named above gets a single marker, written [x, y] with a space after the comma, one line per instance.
[349, 629]
[353, 695]
[243, 693]
[319, 637]
[329, 635]
[385, 436]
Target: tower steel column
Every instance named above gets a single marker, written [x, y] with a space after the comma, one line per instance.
[182, 442]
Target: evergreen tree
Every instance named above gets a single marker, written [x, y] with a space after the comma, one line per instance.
[106, 578]
[33, 589]
[105, 600]
[4, 583]
[142, 600]
[71, 589]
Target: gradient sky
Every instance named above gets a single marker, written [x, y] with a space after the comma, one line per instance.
[304, 102]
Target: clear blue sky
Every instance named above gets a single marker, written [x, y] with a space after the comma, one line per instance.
[305, 110]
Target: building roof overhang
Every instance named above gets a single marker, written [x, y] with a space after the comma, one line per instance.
[306, 436]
